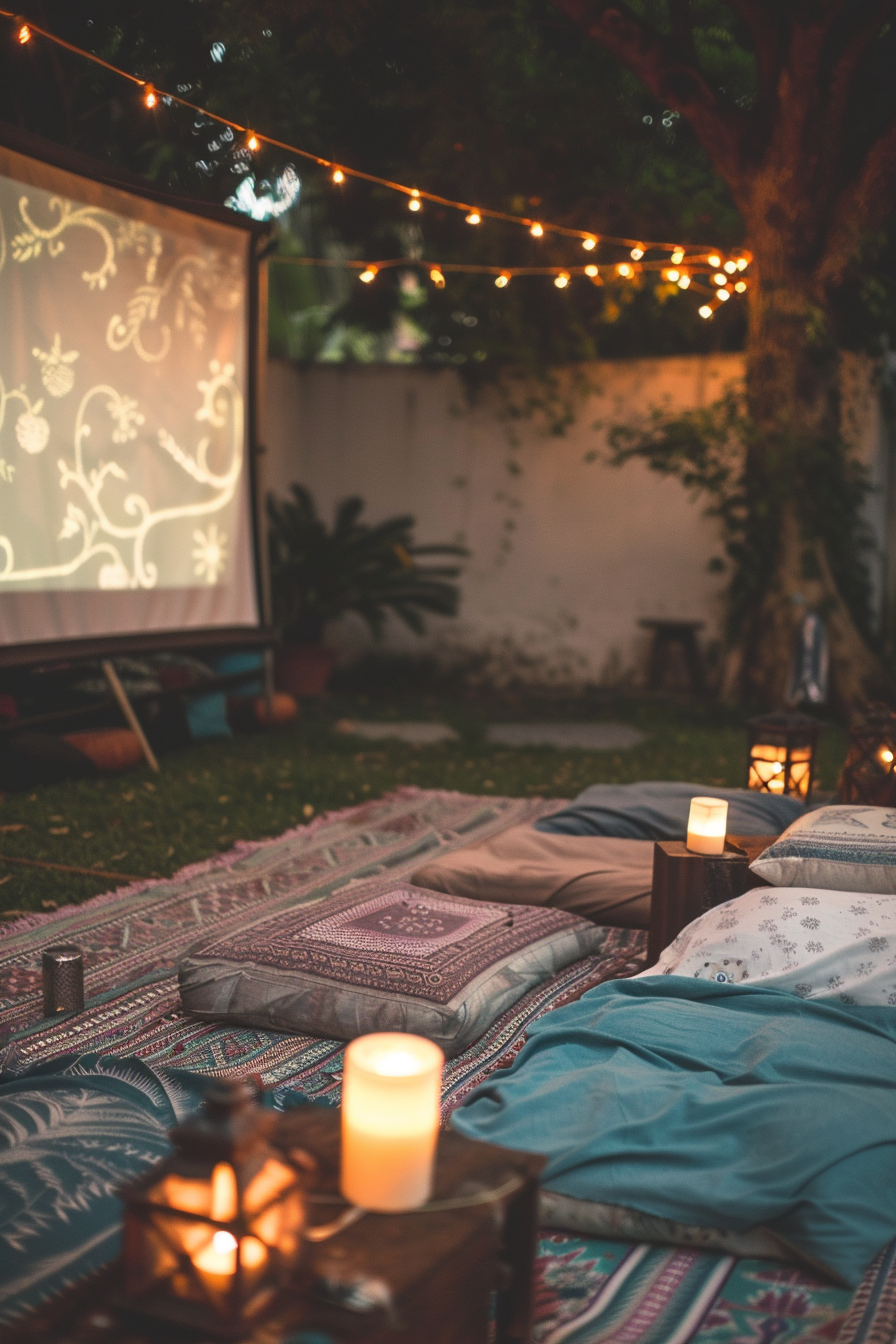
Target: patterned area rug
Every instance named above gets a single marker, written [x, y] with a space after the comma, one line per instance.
[588, 1291]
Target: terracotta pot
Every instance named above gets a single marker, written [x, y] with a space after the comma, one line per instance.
[110, 749]
[303, 669]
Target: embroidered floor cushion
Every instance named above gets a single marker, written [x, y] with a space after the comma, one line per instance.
[842, 848]
[817, 944]
[389, 957]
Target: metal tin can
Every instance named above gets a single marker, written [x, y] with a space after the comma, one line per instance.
[63, 977]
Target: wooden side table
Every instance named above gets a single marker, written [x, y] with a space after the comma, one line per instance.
[430, 1275]
[686, 885]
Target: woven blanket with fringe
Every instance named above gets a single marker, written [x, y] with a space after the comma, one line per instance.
[587, 1291]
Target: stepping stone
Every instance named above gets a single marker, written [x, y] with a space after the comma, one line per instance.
[585, 736]
[417, 734]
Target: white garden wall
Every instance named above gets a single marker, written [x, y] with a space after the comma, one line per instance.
[567, 554]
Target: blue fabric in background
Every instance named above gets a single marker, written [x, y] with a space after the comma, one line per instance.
[207, 716]
[249, 661]
[717, 1105]
[658, 810]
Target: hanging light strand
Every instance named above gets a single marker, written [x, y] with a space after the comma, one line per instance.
[339, 172]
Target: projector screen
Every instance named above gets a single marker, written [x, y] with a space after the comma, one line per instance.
[125, 491]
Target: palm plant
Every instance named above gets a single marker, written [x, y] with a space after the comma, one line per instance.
[318, 573]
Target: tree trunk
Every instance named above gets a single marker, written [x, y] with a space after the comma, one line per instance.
[793, 397]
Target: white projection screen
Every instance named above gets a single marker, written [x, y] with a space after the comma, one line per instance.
[126, 501]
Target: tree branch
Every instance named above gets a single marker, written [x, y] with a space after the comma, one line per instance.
[764, 25]
[862, 30]
[678, 83]
[861, 207]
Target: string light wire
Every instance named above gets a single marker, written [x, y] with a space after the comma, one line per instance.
[474, 213]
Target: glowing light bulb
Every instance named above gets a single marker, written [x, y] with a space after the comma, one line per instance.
[589, 244]
[561, 280]
[730, 267]
[502, 280]
[591, 271]
[684, 282]
[338, 175]
[24, 35]
[252, 141]
[414, 204]
[624, 270]
[150, 97]
[724, 294]
[719, 278]
[636, 253]
[437, 277]
[537, 230]
[672, 275]
[741, 263]
[474, 217]
[714, 260]
[368, 274]
[885, 756]
[677, 255]
[705, 311]
[741, 286]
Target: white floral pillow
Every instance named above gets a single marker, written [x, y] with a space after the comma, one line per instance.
[835, 945]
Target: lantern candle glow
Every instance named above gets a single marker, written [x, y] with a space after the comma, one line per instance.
[390, 1120]
[782, 754]
[707, 823]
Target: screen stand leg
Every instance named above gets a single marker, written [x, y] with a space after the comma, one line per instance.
[127, 710]
[269, 682]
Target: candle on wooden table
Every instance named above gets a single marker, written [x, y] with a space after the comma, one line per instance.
[390, 1120]
[707, 823]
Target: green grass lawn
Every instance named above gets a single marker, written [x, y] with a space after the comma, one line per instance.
[208, 796]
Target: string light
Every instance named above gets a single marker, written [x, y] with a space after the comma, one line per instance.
[502, 280]
[25, 31]
[720, 279]
[150, 97]
[591, 272]
[725, 295]
[369, 274]
[741, 286]
[436, 277]
[730, 267]
[414, 202]
[672, 275]
[684, 282]
[562, 280]
[625, 270]
[705, 311]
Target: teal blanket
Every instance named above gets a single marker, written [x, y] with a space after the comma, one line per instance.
[717, 1105]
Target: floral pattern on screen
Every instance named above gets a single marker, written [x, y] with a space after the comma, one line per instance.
[122, 380]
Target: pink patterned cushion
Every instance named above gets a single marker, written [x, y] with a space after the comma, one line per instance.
[384, 957]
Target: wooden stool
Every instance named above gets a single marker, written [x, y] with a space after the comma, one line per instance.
[665, 634]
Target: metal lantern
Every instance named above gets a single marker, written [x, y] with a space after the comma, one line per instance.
[213, 1233]
[869, 773]
[781, 757]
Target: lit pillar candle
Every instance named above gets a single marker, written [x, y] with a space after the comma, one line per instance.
[707, 823]
[390, 1120]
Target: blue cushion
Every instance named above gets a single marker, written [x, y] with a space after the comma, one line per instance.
[658, 810]
[207, 716]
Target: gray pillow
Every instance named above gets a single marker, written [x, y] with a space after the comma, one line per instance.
[383, 957]
[841, 848]
[658, 810]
